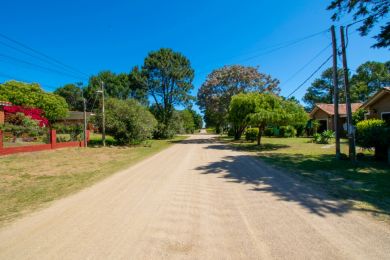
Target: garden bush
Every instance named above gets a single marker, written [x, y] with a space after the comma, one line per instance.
[287, 131]
[128, 121]
[324, 137]
[269, 131]
[373, 133]
[21, 125]
[251, 134]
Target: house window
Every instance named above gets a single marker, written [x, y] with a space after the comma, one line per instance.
[386, 117]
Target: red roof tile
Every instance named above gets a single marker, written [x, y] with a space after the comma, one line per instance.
[329, 108]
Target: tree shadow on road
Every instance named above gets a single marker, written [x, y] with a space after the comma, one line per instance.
[244, 169]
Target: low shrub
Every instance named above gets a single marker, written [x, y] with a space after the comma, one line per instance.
[373, 133]
[21, 125]
[324, 137]
[269, 131]
[251, 134]
[300, 130]
[287, 131]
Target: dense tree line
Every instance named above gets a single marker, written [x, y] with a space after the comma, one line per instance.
[162, 83]
[370, 77]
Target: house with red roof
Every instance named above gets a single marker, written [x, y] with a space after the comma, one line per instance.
[378, 106]
[324, 113]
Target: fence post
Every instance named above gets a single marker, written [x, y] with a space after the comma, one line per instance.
[53, 138]
[1, 139]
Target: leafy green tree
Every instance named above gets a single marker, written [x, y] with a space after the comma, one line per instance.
[263, 110]
[73, 95]
[115, 86]
[127, 121]
[358, 115]
[169, 79]
[321, 90]
[198, 121]
[188, 121]
[138, 86]
[372, 11]
[216, 92]
[241, 106]
[31, 95]
[369, 78]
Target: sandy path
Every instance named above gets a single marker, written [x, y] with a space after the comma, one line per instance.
[197, 200]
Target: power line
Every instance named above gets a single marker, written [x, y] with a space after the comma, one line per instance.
[35, 56]
[43, 54]
[291, 43]
[311, 75]
[278, 46]
[306, 65]
[39, 66]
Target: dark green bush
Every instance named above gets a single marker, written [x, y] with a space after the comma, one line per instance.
[128, 121]
[300, 130]
[324, 137]
[287, 131]
[251, 134]
[373, 133]
[269, 131]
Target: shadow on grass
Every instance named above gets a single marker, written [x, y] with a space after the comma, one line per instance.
[334, 184]
[367, 181]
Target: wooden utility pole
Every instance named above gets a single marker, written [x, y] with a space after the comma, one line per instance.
[103, 117]
[335, 92]
[85, 122]
[350, 128]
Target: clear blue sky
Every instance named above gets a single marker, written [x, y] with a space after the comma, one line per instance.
[117, 35]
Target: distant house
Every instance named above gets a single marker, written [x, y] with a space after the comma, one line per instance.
[324, 113]
[2, 105]
[378, 106]
[75, 117]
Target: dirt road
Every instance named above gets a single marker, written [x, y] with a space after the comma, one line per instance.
[197, 200]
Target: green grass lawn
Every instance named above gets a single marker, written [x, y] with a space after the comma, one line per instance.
[30, 180]
[365, 183]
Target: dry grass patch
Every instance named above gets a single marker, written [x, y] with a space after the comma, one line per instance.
[28, 181]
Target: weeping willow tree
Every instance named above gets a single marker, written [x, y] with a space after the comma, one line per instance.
[262, 110]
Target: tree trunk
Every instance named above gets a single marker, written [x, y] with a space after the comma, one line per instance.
[259, 135]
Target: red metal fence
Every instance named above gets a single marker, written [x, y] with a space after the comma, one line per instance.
[34, 148]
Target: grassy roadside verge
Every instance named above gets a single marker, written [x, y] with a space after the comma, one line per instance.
[366, 184]
[31, 180]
